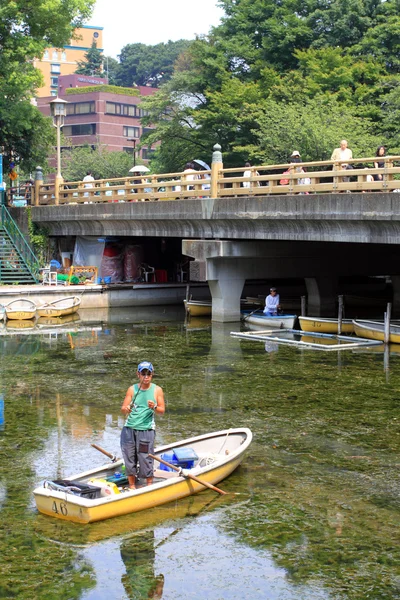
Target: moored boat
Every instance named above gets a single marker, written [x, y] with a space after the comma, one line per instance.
[100, 494]
[59, 308]
[259, 318]
[21, 309]
[2, 313]
[198, 308]
[375, 330]
[324, 325]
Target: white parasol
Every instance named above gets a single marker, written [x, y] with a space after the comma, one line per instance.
[139, 169]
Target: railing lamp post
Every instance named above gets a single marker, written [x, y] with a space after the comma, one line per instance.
[133, 140]
[58, 112]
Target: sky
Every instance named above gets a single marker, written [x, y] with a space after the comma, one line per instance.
[152, 21]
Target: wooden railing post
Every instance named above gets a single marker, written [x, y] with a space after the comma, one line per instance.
[38, 183]
[216, 166]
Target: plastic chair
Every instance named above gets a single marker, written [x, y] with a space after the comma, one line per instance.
[49, 275]
[146, 271]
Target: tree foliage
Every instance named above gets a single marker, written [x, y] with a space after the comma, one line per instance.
[103, 164]
[140, 64]
[278, 75]
[26, 30]
[92, 63]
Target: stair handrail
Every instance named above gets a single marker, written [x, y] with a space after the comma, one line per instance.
[20, 243]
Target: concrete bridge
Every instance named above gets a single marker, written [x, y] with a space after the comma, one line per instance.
[316, 237]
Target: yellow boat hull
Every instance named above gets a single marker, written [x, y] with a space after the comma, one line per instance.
[317, 325]
[77, 509]
[370, 333]
[198, 309]
[21, 315]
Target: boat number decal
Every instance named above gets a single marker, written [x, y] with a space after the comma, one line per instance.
[61, 509]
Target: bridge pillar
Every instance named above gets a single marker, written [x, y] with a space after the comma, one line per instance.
[226, 292]
[322, 295]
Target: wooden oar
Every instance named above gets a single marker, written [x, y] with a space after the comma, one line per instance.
[252, 313]
[187, 474]
[100, 449]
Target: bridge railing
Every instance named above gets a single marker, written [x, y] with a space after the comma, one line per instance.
[299, 178]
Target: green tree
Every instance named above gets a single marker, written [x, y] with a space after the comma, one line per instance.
[92, 63]
[26, 30]
[140, 64]
[100, 161]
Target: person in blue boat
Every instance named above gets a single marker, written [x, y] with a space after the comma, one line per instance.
[272, 303]
[142, 401]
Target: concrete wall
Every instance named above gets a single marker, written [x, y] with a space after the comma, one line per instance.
[362, 218]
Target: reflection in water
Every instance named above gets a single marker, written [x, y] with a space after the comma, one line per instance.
[309, 514]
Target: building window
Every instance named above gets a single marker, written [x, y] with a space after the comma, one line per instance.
[80, 108]
[55, 55]
[54, 81]
[46, 55]
[84, 129]
[63, 56]
[96, 35]
[128, 110]
[147, 153]
[143, 113]
[131, 132]
[55, 68]
[53, 93]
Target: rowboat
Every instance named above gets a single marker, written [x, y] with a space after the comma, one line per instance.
[59, 308]
[2, 313]
[100, 494]
[319, 325]
[20, 309]
[198, 308]
[278, 322]
[375, 330]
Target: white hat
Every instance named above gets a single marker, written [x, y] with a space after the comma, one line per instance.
[295, 153]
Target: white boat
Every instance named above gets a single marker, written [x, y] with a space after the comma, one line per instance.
[21, 309]
[59, 308]
[2, 313]
[259, 318]
[100, 493]
[375, 330]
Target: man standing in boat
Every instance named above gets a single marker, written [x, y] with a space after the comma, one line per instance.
[141, 402]
[272, 303]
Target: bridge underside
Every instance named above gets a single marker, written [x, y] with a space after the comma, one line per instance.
[316, 237]
[227, 264]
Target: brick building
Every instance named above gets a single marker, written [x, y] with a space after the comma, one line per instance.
[100, 116]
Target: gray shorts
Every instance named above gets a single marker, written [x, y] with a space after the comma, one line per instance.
[136, 446]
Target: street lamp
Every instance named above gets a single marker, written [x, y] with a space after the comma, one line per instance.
[58, 112]
[134, 149]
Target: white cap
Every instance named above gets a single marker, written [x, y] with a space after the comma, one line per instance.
[295, 153]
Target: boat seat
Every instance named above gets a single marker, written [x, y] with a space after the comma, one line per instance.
[159, 474]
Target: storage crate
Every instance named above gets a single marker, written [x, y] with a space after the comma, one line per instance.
[79, 489]
[179, 457]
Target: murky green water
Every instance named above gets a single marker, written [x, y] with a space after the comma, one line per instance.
[313, 511]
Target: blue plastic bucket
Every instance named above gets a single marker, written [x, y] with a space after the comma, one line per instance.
[107, 279]
[99, 280]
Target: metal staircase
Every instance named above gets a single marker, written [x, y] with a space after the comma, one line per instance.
[18, 263]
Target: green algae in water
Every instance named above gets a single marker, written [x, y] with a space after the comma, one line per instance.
[320, 485]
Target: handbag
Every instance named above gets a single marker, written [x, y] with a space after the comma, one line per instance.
[284, 181]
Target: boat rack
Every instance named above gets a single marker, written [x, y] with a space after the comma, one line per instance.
[302, 339]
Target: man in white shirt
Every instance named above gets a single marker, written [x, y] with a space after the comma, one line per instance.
[272, 303]
[342, 155]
